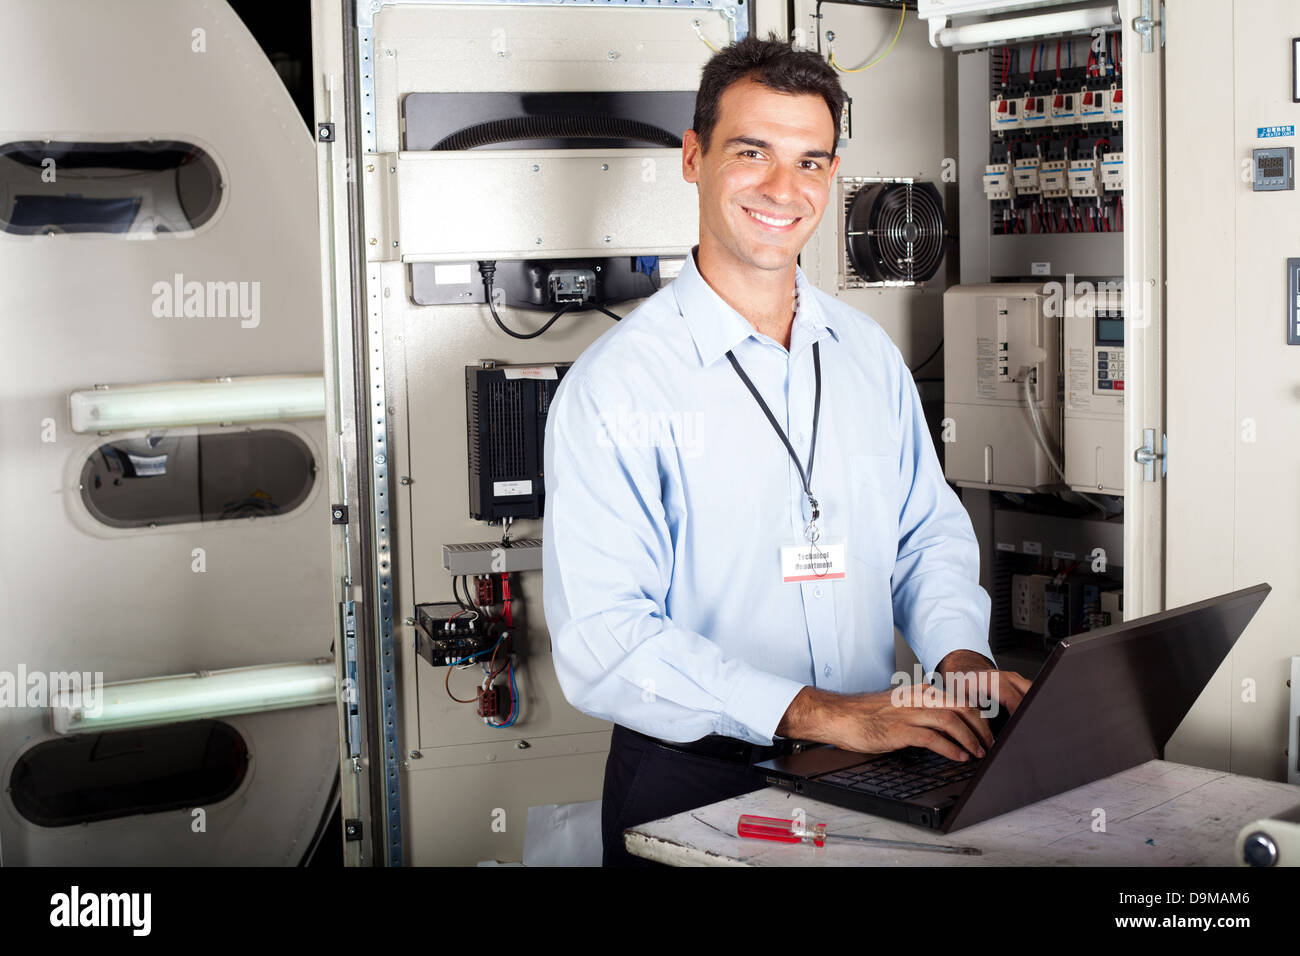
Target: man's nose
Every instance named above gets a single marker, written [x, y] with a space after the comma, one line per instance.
[779, 186]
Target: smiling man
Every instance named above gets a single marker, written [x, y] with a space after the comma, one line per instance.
[743, 500]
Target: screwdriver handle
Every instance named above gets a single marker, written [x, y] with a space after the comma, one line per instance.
[780, 831]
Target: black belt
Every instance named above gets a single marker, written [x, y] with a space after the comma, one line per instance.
[728, 749]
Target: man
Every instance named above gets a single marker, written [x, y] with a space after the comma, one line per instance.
[743, 499]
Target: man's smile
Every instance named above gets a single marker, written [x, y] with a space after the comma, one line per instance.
[771, 222]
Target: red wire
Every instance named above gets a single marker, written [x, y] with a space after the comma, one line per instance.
[505, 596]
[1058, 59]
[1032, 57]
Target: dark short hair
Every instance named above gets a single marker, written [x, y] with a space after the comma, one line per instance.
[774, 63]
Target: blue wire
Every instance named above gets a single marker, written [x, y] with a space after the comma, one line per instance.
[479, 653]
[514, 701]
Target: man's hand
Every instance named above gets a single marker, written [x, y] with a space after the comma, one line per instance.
[1006, 688]
[913, 715]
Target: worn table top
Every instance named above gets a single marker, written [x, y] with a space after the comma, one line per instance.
[1156, 814]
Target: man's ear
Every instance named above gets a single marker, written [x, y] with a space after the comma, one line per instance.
[835, 165]
[692, 153]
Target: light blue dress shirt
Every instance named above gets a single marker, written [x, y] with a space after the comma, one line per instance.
[669, 497]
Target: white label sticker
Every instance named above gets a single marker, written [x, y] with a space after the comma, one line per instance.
[1040, 268]
[531, 371]
[1003, 546]
[670, 268]
[456, 273]
[505, 488]
[812, 562]
[1033, 547]
[1064, 555]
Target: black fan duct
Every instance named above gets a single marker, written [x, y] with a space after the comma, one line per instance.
[895, 232]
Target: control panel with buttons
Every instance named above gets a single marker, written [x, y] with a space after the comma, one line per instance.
[1108, 352]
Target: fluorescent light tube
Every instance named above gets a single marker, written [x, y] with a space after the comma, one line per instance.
[170, 700]
[1019, 28]
[255, 398]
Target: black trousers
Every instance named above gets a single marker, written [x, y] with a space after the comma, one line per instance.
[645, 781]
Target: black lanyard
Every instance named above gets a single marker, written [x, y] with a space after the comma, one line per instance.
[805, 476]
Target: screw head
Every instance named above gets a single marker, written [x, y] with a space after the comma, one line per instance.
[609, 238]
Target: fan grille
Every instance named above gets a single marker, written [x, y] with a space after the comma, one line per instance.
[894, 232]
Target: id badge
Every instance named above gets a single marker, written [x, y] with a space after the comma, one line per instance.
[823, 561]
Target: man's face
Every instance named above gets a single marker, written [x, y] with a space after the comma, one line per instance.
[765, 180]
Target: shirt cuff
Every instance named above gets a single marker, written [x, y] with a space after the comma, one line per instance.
[756, 707]
[936, 646]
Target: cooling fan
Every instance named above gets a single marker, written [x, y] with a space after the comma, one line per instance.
[895, 232]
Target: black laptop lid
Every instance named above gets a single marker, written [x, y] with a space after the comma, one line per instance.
[1106, 701]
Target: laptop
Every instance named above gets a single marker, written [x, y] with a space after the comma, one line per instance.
[1103, 701]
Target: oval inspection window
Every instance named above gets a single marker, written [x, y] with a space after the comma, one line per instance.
[141, 482]
[136, 189]
[119, 773]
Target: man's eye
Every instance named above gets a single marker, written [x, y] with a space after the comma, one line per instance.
[749, 152]
[811, 164]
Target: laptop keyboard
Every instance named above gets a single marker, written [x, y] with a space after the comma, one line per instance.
[904, 774]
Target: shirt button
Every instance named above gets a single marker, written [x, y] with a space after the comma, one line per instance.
[827, 670]
[817, 591]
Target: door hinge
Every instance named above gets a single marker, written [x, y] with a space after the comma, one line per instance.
[1145, 26]
[1147, 456]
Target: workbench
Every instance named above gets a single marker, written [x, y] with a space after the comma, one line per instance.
[1155, 814]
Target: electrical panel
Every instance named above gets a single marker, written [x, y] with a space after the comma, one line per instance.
[1001, 352]
[506, 410]
[1094, 393]
[1056, 111]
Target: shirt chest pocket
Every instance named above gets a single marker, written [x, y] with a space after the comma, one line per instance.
[873, 536]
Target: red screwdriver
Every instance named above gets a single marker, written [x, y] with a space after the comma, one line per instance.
[789, 831]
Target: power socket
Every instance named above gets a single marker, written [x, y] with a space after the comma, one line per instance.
[1028, 602]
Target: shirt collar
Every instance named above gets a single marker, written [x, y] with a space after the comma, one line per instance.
[716, 327]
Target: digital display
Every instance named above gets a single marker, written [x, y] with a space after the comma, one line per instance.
[1272, 166]
[1110, 331]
